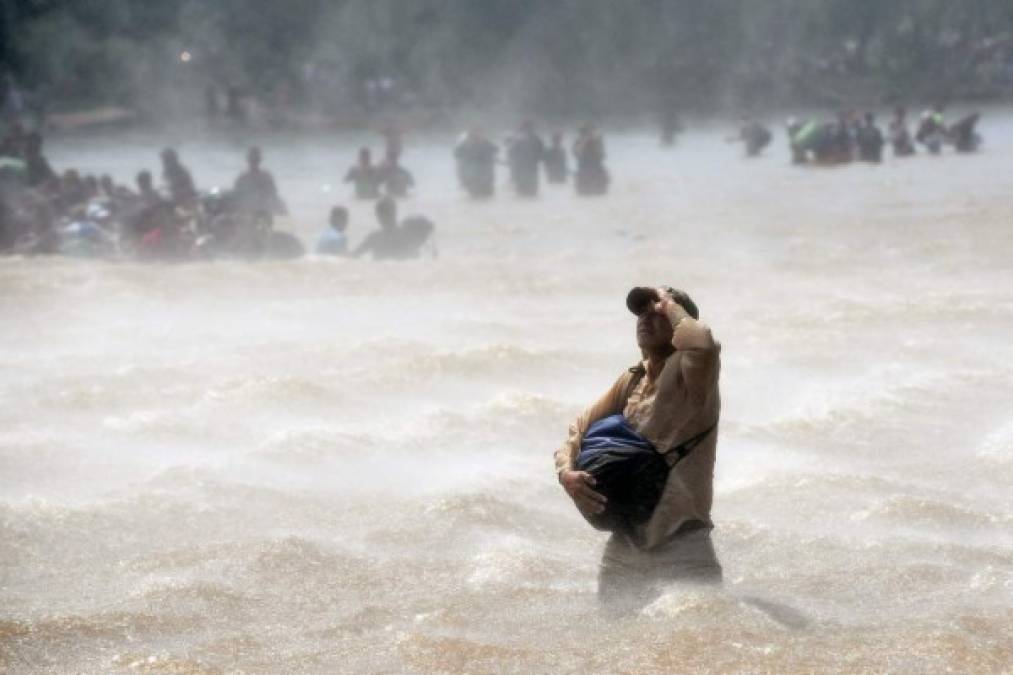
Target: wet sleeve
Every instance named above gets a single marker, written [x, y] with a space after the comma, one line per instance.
[611, 403]
[699, 363]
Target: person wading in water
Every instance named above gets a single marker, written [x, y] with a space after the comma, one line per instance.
[670, 403]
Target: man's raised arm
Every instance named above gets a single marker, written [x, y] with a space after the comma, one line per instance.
[700, 350]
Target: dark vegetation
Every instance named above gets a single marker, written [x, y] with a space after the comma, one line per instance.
[341, 59]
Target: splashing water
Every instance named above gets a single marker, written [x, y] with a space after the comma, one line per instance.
[333, 465]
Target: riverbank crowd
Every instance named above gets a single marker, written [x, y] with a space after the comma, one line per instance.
[43, 211]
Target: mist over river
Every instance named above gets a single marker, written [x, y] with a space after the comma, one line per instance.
[335, 465]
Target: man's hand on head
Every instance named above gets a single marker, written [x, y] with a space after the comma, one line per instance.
[579, 485]
[669, 307]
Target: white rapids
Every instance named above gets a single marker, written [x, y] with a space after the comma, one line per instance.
[333, 465]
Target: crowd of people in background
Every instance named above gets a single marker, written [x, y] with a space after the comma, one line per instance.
[46, 212]
[527, 155]
[856, 136]
[43, 212]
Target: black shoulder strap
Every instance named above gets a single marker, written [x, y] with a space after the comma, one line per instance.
[638, 372]
[680, 451]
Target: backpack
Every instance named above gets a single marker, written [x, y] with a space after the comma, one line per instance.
[627, 468]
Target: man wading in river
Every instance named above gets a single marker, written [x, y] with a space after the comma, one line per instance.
[667, 404]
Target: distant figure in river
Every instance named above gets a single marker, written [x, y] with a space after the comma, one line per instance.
[476, 164]
[393, 241]
[798, 133]
[37, 168]
[178, 181]
[869, 140]
[525, 153]
[91, 187]
[556, 169]
[591, 178]
[365, 176]
[393, 140]
[144, 210]
[109, 190]
[146, 191]
[931, 130]
[754, 136]
[118, 198]
[900, 136]
[334, 240]
[158, 234]
[12, 144]
[671, 126]
[827, 143]
[396, 180]
[841, 144]
[963, 134]
[255, 191]
[73, 190]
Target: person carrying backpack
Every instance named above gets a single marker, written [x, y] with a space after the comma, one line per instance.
[639, 461]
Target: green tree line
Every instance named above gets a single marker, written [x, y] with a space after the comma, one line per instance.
[552, 57]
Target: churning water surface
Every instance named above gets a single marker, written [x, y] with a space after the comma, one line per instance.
[333, 465]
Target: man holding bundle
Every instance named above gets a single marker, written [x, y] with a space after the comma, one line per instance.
[640, 461]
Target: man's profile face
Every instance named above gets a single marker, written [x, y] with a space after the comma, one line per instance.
[654, 330]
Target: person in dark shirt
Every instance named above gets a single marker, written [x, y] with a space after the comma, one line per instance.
[393, 241]
[364, 176]
[255, 189]
[105, 182]
[476, 164]
[396, 180]
[755, 136]
[37, 169]
[177, 179]
[931, 131]
[146, 191]
[143, 211]
[963, 134]
[869, 140]
[900, 136]
[72, 191]
[393, 140]
[525, 153]
[841, 142]
[592, 177]
[671, 125]
[556, 169]
[13, 142]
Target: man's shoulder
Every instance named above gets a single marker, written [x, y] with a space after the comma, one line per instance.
[630, 376]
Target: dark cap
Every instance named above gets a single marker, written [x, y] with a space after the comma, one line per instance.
[640, 297]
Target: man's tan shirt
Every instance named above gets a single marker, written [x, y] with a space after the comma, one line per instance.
[681, 402]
